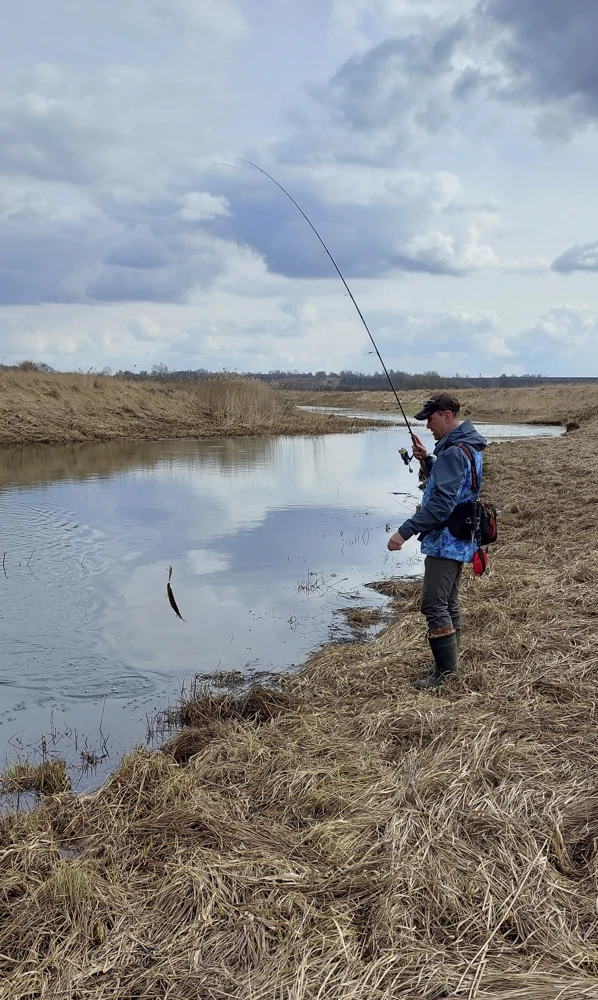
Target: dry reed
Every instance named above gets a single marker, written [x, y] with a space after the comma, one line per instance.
[37, 408]
[350, 838]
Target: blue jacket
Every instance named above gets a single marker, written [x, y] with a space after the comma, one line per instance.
[449, 484]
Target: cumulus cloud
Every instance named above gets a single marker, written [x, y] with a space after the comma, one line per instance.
[438, 253]
[578, 258]
[374, 222]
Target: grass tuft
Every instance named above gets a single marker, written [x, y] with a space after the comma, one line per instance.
[46, 778]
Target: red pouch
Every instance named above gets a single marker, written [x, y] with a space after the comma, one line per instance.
[480, 562]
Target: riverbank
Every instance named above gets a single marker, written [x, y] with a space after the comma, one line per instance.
[57, 408]
[346, 836]
[550, 404]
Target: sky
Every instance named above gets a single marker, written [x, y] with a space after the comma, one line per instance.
[445, 150]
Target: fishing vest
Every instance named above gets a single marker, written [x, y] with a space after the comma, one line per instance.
[439, 542]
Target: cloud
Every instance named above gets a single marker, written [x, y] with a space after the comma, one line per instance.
[373, 221]
[197, 206]
[474, 341]
[578, 258]
[559, 339]
[385, 102]
[145, 328]
[52, 138]
[140, 249]
[442, 62]
[437, 253]
[403, 132]
[116, 284]
[548, 53]
[224, 18]
[528, 265]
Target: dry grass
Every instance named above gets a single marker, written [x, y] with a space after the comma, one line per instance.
[36, 408]
[360, 620]
[558, 404]
[45, 778]
[350, 838]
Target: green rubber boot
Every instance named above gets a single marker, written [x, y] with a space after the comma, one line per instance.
[445, 650]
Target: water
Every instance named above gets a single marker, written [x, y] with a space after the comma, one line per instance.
[268, 539]
[492, 432]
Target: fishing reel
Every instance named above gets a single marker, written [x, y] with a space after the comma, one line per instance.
[422, 475]
[407, 458]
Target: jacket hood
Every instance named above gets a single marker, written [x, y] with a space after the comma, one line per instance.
[465, 433]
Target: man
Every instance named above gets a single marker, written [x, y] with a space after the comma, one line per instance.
[450, 482]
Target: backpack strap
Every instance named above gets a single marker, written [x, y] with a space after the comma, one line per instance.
[474, 473]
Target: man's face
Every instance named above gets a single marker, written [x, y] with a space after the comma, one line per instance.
[439, 423]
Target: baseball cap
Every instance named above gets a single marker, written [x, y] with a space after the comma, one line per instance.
[438, 401]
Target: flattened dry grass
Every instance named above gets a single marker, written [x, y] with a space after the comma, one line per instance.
[37, 408]
[350, 837]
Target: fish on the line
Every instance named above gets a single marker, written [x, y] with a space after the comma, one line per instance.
[173, 603]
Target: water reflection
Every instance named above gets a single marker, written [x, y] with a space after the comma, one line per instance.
[267, 538]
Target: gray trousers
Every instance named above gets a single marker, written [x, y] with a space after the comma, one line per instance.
[440, 595]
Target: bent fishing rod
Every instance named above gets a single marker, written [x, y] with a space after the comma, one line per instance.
[402, 451]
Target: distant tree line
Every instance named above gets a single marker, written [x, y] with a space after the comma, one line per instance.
[343, 380]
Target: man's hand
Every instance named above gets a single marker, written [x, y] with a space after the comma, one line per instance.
[419, 452]
[395, 542]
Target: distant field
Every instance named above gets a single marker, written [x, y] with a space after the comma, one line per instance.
[540, 404]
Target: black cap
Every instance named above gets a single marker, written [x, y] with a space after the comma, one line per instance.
[438, 401]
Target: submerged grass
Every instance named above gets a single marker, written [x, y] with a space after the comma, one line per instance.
[37, 408]
[347, 837]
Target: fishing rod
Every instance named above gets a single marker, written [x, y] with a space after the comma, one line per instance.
[402, 451]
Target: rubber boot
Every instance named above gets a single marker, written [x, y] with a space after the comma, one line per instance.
[445, 651]
[432, 667]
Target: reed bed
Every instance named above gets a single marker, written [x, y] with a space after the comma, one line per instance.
[56, 408]
[345, 836]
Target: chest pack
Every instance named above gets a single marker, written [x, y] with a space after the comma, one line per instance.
[474, 520]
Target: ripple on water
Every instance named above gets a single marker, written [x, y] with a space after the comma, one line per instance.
[49, 542]
[87, 676]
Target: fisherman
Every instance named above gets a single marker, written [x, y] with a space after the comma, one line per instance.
[450, 482]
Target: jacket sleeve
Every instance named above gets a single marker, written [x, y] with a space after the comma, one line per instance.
[449, 470]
